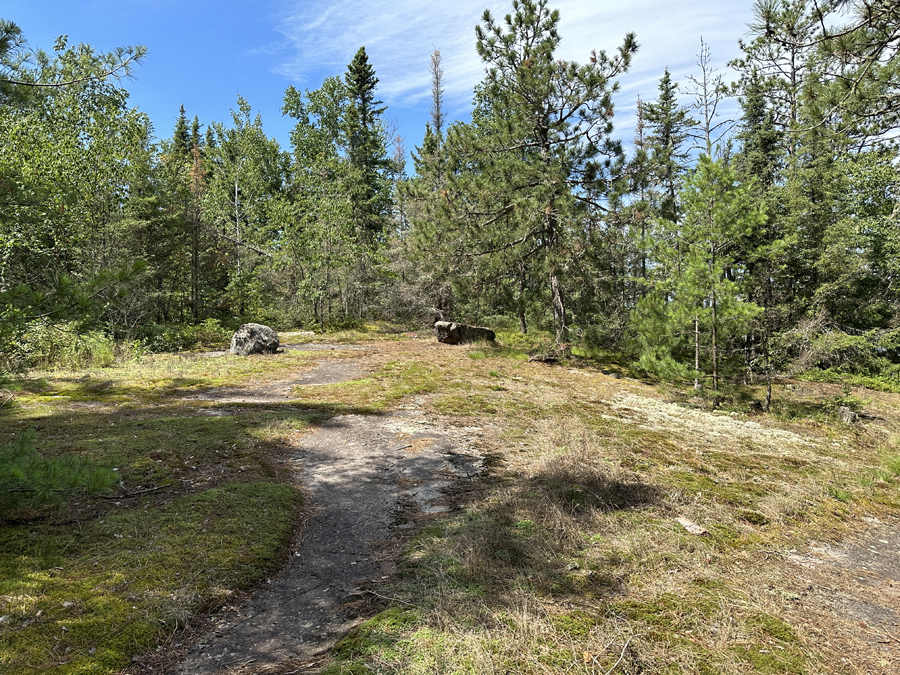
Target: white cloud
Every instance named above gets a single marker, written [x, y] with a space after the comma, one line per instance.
[399, 36]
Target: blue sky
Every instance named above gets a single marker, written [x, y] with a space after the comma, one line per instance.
[202, 53]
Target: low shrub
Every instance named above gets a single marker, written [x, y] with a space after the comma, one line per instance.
[41, 344]
[29, 480]
[183, 337]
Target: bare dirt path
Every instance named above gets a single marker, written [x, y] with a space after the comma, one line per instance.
[365, 475]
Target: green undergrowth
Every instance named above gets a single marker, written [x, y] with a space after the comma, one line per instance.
[152, 379]
[888, 381]
[201, 508]
[83, 599]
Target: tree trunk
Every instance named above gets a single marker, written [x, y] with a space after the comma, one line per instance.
[237, 238]
[523, 326]
[696, 352]
[559, 309]
[715, 355]
[195, 270]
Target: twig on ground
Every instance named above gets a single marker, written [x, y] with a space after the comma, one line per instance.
[384, 597]
[890, 636]
[622, 655]
[128, 495]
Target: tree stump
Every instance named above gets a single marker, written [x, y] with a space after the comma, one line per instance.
[452, 333]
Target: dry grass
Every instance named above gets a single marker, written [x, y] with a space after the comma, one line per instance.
[572, 559]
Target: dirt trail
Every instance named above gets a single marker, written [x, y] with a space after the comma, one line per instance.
[325, 372]
[365, 475]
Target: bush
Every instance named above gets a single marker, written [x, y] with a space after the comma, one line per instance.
[182, 337]
[41, 344]
[501, 322]
[29, 480]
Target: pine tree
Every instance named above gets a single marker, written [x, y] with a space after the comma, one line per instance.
[699, 307]
[535, 159]
[29, 480]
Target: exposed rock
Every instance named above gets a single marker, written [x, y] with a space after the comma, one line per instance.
[254, 338]
[452, 333]
[847, 416]
[561, 351]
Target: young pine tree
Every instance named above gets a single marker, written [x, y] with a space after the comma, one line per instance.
[699, 307]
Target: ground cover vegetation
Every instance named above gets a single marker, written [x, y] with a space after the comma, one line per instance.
[566, 556]
[724, 262]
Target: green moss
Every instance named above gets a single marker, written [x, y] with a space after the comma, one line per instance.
[839, 494]
[118, 585]
[383, 388]
[375, 634]
[775, 627]
[753, 517]
[577, 623]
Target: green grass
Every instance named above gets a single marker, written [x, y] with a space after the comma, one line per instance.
[567, 557]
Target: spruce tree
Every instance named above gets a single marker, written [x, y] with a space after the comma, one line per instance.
[366, 148]
[759, 163]
[196, 141]
[667, 127]
[181, 140]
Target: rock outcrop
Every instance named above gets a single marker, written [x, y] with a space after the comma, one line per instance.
[254, 338]
[452, 333]
[847, 416]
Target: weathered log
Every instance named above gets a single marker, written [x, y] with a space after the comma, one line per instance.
[452, 333]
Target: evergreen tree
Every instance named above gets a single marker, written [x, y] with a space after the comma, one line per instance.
[366, 148]
[699, 306]
[321, 245]
[247, 176]
[196, 141]
[181, 140]
[536, 157]
[759, 163]
[668, 127]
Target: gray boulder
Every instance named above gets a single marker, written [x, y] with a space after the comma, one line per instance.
[452, 333]
[254, 338]
[847, 416]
